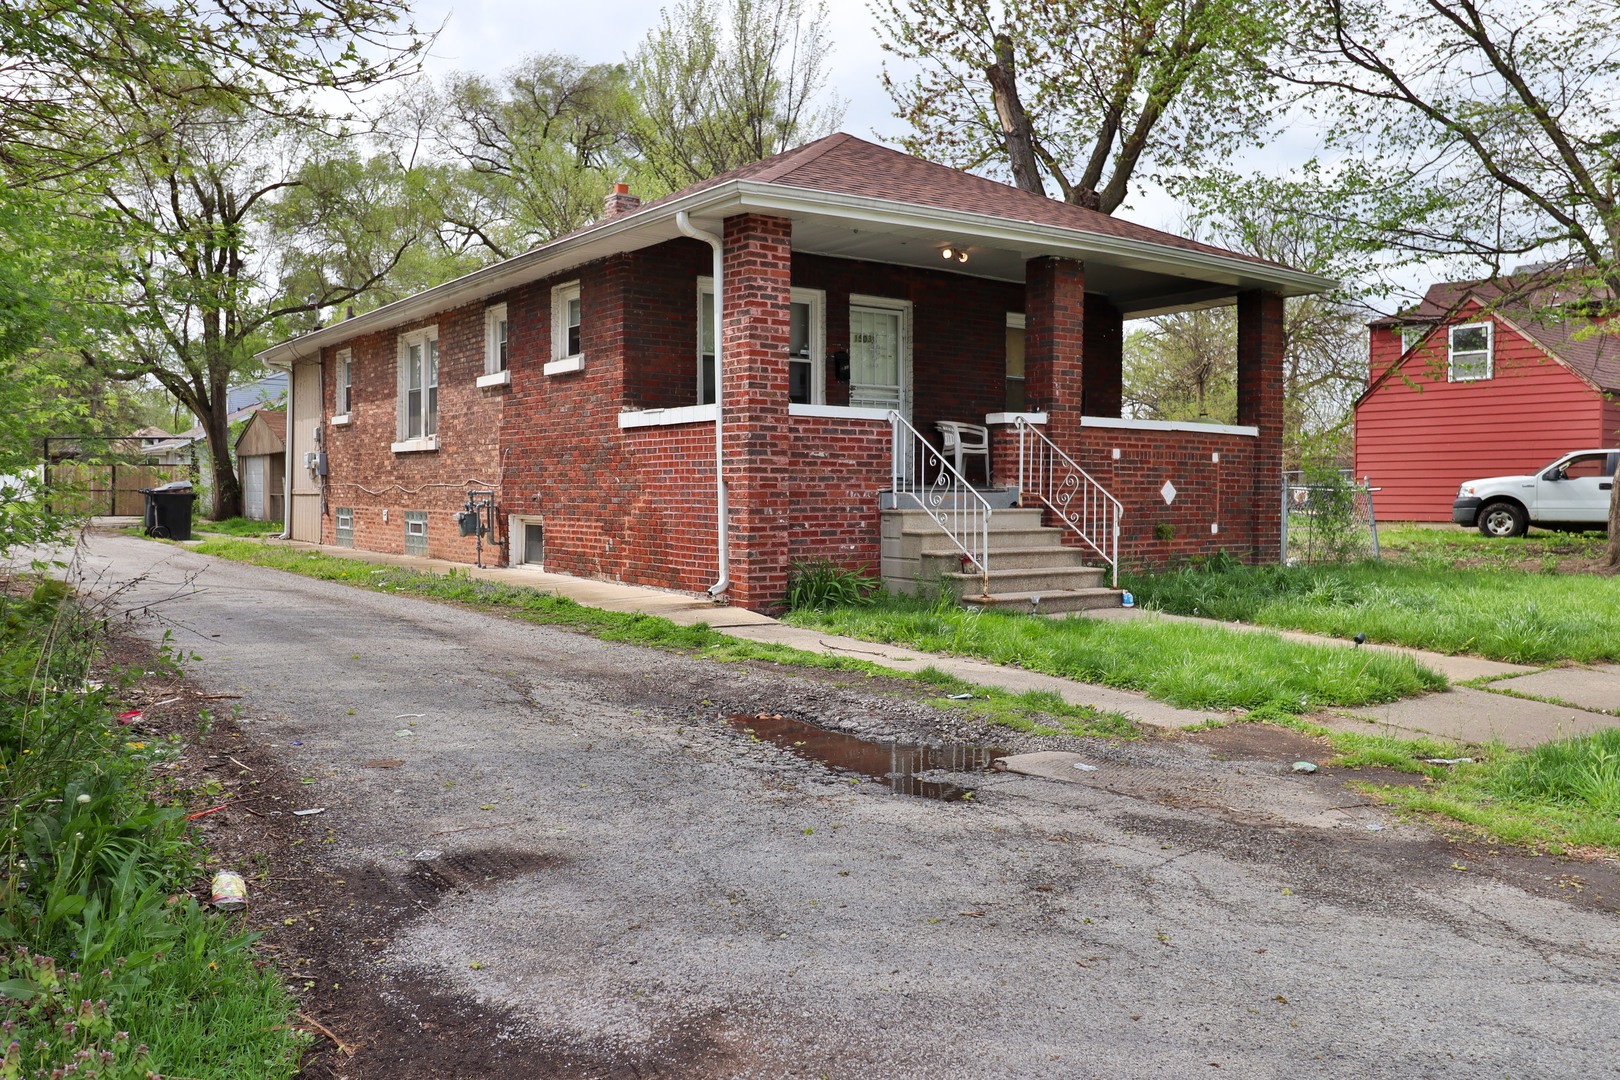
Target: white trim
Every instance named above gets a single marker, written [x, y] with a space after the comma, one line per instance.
[684, 414]
[517, 541]
[415, 446]
[499, 378]
[565, 365]
[423, 336]
[837, 412]
[560, 296]
[341, 420]
[1016, 320]
[1014, 417]
[494, 317]
[1168, 425]
[343, 392]
[1452, 352]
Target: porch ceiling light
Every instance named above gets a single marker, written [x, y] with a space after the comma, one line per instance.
[950, 254]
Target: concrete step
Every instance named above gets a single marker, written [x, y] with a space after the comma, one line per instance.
[944, 560]
[1036, 581]
[1051, 603]
[919, 521]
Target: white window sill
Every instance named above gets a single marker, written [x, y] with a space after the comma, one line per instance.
[496, 378]
[838, 412]
[1013, 418]
[565, 365]
[341, 420]
[686, 414]
[1168, 425]
[415, 446]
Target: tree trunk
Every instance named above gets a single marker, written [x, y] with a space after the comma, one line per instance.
[1015, 127]
[227, 489]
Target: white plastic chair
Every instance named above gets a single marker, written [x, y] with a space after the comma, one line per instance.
[965, 440]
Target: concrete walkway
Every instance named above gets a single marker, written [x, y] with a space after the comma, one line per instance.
[1465, 714]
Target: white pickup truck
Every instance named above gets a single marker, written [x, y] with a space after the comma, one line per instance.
[1571, 494]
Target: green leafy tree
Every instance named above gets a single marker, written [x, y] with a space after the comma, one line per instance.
[235, 225]
[1481, 131]
[1080, 95]
[717, 87]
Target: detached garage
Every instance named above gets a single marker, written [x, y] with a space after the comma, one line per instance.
[261, 454]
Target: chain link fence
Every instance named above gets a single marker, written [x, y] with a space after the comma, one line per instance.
[1327, 518]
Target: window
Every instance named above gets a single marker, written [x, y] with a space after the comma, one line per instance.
[345, 385]
[416, 532]
[419, 389]
[1411, 335]
[807, 381]
[344, 518]
[566, 354]
[495, 349]
[1470, 353]
[1015, 362]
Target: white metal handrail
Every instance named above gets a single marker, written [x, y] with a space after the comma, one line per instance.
[1066, 489]
[960, 511]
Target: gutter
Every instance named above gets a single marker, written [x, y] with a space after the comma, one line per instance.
[722, 523]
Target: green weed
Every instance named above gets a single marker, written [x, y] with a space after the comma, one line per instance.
[822, 583]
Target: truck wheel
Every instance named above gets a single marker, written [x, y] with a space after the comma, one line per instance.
[1500, 519]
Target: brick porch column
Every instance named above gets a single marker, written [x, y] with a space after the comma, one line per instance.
[1260, 403]
[758, 297]
[1054, 346]
[1104, 374]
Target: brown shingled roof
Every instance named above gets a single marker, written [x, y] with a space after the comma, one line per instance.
[1539, 312]
[845, 165]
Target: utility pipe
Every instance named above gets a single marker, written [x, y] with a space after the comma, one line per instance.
[683, 221]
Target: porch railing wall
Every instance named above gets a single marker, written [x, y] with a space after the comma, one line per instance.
[1082, 504]
[921, 477]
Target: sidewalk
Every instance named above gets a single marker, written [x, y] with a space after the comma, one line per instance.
[1465, 714]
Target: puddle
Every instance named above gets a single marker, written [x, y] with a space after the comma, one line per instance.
[907, 768]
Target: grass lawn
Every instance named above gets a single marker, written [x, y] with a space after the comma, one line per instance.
[238, 527]
[1188, 665]
[1450, 592]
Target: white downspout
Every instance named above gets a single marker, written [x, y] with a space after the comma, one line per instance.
[287, 461]
[722, 515]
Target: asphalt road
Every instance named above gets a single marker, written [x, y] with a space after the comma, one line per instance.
[653, 894]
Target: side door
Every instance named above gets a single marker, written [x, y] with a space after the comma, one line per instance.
[1576, 489]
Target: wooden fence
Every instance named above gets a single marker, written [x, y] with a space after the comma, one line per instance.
[81, 487]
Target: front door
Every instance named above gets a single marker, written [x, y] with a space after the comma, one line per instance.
[879, 360]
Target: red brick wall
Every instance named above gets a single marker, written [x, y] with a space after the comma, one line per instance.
[1054, 345]
[1260, 404]
[1104, 346]
[364, 474]
[1208, 493]
[837, 469]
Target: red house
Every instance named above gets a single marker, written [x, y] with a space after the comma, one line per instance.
[698, 392]
[1482, 378]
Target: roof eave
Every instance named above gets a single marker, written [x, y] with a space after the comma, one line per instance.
[586, 245]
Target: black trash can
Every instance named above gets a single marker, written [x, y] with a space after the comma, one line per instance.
[168, 510]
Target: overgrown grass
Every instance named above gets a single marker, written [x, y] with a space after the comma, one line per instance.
[238, 527]
[1037, 712]
[1457, 546]
[1560, 795]
[1189, 665]
[1502, 614]
[97, 933]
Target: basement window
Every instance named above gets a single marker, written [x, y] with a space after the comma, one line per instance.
[416, 532]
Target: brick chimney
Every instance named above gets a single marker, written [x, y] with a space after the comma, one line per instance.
[619, 201]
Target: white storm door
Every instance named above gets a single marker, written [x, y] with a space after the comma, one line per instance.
[878, 358]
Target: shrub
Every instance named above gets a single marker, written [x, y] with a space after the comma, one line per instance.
[821, 584]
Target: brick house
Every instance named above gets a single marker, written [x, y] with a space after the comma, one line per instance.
[1481, 378]
[862, 296]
